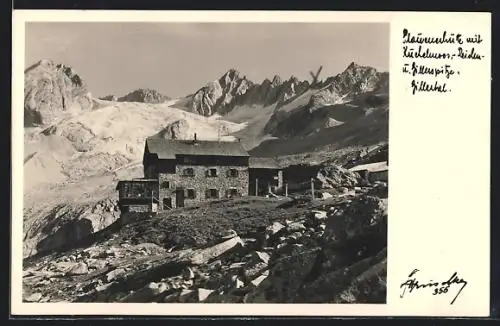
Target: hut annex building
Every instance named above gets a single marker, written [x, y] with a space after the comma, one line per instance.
[179, 173]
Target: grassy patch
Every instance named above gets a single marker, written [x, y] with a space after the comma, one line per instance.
[201, 225]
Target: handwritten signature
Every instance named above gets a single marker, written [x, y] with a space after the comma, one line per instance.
[438, 287]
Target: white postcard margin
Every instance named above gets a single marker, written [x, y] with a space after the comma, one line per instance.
[439, 176]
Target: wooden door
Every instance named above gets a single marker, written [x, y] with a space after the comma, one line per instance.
[179, 198]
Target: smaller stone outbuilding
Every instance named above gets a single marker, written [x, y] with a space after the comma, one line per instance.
[265, 175]
[372, 172]
[138, 195]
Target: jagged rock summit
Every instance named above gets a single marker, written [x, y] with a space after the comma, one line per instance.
[145, 95]
[52, 90]
[354, 80]
[217, 95]
[233, 88]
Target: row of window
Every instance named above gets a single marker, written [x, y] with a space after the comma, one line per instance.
[214, 193]
[189, 172]
[136, 191]
[211, 193]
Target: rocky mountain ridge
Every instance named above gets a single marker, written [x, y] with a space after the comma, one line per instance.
[144, 95]
[353, 81]
[52, 90]
[233, 89]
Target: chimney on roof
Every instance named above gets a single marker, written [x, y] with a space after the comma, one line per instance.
[195, 137]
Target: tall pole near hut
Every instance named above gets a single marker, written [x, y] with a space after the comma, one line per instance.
[286, 189]
[152, 200]
[256, 186]
[312, 188]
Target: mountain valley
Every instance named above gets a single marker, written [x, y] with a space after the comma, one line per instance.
[77, 147]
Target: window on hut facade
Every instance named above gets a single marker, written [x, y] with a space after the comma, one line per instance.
[190, 194]
[212, 193]
[188, 172]
[231, 192]
[212, 173]
[167, 203]
[136, 190]
[165, 185]
[233, 173]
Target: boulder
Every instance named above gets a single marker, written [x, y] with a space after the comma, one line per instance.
[281, 283]
[253, 269]
[228, 234]
[236, 265]
[77, 269]
[274, 228]
[194, 296]
[114, 274]
[262, 256]
[34, 297]
[256, 282]
[239, 283]
[295, 227]
[201, 257]
[326, 195]
[292, 238]
[319, 215]
[202, 294]
[365, 215]
[146, 294]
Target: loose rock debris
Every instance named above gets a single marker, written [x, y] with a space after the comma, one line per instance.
[332, 253]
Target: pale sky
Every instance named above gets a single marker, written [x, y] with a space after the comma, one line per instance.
[179, 58]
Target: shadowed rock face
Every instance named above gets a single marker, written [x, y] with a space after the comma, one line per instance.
[51, 89]
[67, 225]
[217, 95]
[175, 130]
[144, 96]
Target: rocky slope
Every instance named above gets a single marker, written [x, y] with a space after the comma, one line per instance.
[288, 251]
[72, 165]
[73, 161]
[52, 90]
[349, 110]
[144, 96]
